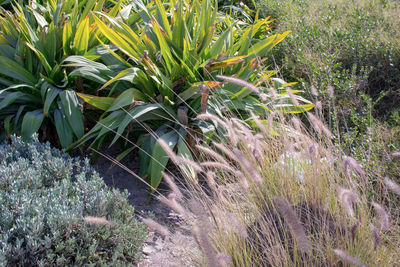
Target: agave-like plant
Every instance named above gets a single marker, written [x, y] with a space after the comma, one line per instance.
[172, 52]
[37, 92]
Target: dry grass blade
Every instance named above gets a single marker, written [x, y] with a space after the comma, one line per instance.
[347, 258]
[288, 214]
[98, 221]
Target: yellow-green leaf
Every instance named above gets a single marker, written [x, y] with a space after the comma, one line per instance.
[102, 103]
[81, 39]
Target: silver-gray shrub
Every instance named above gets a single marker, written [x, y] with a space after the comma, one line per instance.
[45, 196]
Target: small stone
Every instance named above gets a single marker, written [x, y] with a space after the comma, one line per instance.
[148, 250]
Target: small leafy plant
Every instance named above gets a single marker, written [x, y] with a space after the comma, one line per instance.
[57, 211]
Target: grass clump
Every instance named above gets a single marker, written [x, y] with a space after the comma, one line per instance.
[284, 195]
[56, 211]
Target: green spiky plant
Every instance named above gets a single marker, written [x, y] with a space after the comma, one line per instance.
[38, 94]
[172, 52]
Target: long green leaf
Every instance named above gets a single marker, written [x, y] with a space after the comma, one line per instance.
[72, 112]
[31, 123]
[81, 38]
[160, 157]
[13, 69]
[64, 131]
[102, 103]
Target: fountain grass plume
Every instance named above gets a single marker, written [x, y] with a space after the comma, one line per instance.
[98, 221]
[155, 226]
[384, 217]
[393, 186]
[347, 198]
[288, 214]
[348, 259]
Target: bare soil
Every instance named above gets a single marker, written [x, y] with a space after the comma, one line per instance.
[158, 251]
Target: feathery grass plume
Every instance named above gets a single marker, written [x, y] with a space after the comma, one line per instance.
[296, 123]
[314, 90]
[288, 214]
[210, 176]
[263, 96]
[390, 184]
[347, 198]
[203, 229]
[217, 165]
[155, 226]
[347, 258]
[173, 204]
[239, 82]
[226, 151]
[175, 189]
[313, 151]
[395, 155]
[319, 126]
[318, 106]
[292, 97]
[212, 154]
[223, 259]
[383, 216]
[259, 124]
[239, 125]
[315, 122]
[246, 166]
[350, 162]
[270, 120]
[208, 116]
[237, 226]
[242, 179]
[167, 149]
[189, 163]
[98, 221]
[375, 234]
[272, 94]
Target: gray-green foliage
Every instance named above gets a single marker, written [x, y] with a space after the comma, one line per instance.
[44, 197]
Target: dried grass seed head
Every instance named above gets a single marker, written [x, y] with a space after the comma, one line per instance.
[155, 226]
[290, 217]
[98, 221]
